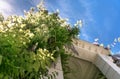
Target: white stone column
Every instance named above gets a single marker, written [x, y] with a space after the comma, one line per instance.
[57, 68]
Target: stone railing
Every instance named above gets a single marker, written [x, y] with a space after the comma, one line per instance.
[108, 68]
[88, 51]
[90, 47]
[57, 67]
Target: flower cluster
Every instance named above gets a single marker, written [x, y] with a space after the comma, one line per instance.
[29, 44]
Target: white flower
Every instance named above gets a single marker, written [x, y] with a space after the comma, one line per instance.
[102, 45]
[57, 11]
[27, 31]
[79, 23]
[43, 25]
[20, 30]
[14, 35]
[118, 39]
[108, 46]
[75, 24]
[96, 39]
[31, 35]
[24, 43]
[45, 31]
[23, 25]
[78, 35]
[11, 24]
[1, 27]
[37, 29]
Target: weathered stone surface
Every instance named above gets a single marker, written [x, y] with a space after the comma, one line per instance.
[82, 69]
[109, 69]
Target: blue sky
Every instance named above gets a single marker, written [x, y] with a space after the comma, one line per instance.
[101, 18]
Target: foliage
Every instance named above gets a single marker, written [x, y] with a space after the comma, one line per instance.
[66, 69]
[101, 76]
[29, 44]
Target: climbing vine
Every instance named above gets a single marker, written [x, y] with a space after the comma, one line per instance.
[29, 44]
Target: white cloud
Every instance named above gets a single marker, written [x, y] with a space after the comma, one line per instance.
[86, 15]
[6, 8]
[88, 18]
[35, 2]
[65, 8]
[88, 10]
[69, 11]
[85, 36]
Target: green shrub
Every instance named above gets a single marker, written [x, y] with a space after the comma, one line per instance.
[29, 44]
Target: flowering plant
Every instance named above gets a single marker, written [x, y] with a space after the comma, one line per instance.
[29, 44]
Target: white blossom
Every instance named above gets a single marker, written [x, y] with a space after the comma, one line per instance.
[118, 39]
[57, 11]
[101, 45]
[96, 39]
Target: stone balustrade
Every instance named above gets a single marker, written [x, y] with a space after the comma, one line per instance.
[108, 68]
[90, 47]
[88, 51]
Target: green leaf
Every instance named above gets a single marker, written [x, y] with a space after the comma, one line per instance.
[0, 59]
[36, 66]
[6, 77]
[1, 75]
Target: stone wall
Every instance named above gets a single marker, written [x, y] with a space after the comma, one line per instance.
[82, 62]
[82, 69]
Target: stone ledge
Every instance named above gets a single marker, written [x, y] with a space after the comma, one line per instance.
[109, 69]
